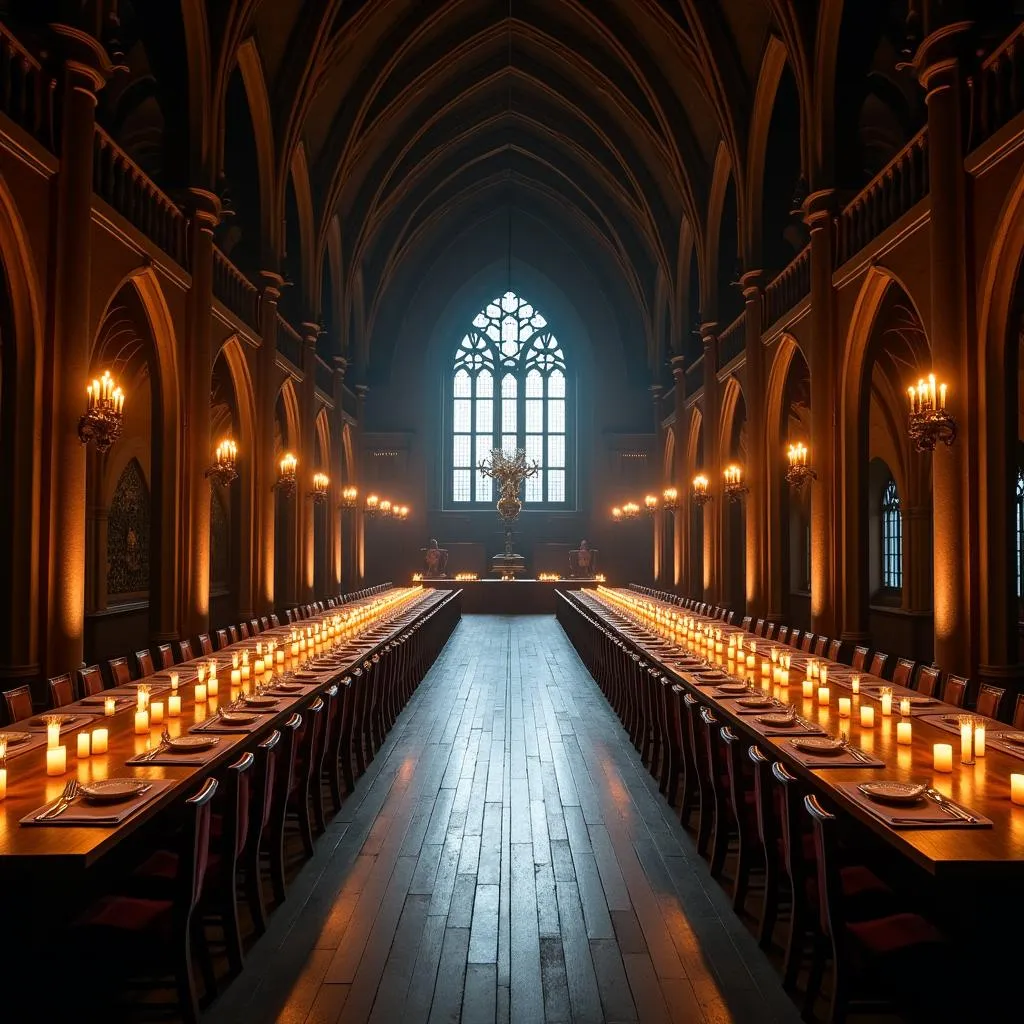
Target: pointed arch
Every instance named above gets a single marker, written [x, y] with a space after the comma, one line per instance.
[720, 178]
[299, 172]
[254, 82]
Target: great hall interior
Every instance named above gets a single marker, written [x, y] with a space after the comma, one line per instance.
[516, 510]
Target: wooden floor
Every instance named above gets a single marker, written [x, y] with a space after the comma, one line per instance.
[506, 858]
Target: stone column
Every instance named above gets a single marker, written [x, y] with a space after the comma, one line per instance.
[818, 214]
[658, 561]
[359, 523]
[198, 453]
[681, 533]
[263, 457]
[756, 470]
[941, 74]
[714, 511]
[85, 70]
[339, 535]
[306, 508]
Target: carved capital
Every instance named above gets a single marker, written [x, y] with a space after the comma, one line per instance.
[752, 285]
[937, 61]
[271, 283]
[83, 54]
[678, 368]
[819, 208]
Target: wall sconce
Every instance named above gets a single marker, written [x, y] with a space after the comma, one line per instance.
[385, 509]
[103, 419]
[799, 472]
[651, 504]
[286, 475]
[701, 490]
[321, 487]
[372, 505]
[670, 499]
[734, 487]
[929, 421]
[225, 462]
[349, 497]
[401, 513]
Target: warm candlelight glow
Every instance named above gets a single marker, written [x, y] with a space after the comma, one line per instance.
[855, 684]
[141, 722]
[84, 744]
[797, 454]
[156, 712]
[56, 760]
[200, 693]
[942, 757]
[212, 687]
[1017, 789]
[100, 738]
[904, 732]
[823, 695]
[109, 706]
[52, 731]
[885, 696]
[867, 716]
[904, 706]
[174, 705]
[807, 687]
[174, 682]
[844, 707]
[288, 464]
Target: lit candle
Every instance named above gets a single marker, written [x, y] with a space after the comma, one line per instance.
[56, 760]
[141, 722]
[855, 684]
[823, 675]
[751, 663]
[258, 667]
[200, 693]
[234, 659]
[942, 757]
[785, 677]
[142, 698]
[844, 707]
[259, 648]
[886, 699]
[212, 666]
[979, 739]
[156, 712]
[84, 744]
[52, 731]
[766, 668]
[109, 706]
[295, 649]
[212, 687]
[236, 677]
[3, 783]
[200, 673]
[174, 705]
[823, 695]
[808, 688]
[904, 706]
[867, 716]
[100, 737]
[774, 655]
[903, 733]
[279, 658]
[174, 682]
[245, 672]
[1017, 789]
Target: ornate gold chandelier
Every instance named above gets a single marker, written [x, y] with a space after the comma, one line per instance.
[510, 470]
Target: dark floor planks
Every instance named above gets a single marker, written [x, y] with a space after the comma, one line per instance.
[505, 858]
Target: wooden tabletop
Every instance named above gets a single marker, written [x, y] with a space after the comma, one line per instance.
[983, 787]
[28, 786]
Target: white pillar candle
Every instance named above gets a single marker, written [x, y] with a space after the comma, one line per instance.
[279, 658]
[1017, 789]
[855, 684]
[100, 738]
[234, 659]
[174, 705]
[174, 682]
[886, 700]
[979, 739]
[3, 783]
[245, 672]
[52, 734]
[84, 744]
[109, 706]
[751, 662]
[212, 667]
[823, 675]
[904, 733]
[258, 667]
[142, 699]
[245, 657]
[808, 688]
[823, 695]
[844, 707]
[867, 716]
[766, 668]
[141, 722]
[200, 693]
[904, 706]
[156, 712]
[200, 673]
[212, 687]
[259, 648]
[236, 677]
[56, 760]
[942, 757]
[785, 676]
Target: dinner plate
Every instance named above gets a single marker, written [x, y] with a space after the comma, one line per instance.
[12, 739]
[260, 702]
[1016, 738]
[922, 702]
[288, 687]
[113, 791]
[780, 718]
[893, 792]
[189, 743]
[819, 745]
[756, 702]
[735, 688]
[237, 717]
[41, 723]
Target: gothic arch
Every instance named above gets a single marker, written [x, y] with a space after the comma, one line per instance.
[710, 283]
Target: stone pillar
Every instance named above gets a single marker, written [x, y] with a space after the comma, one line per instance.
[306, 508]
[339, 535]
[756, 470]
[818, 214]
[359, 523]
[714, 511]
[85, 70]
[264, 462]
[681, 533]
[941, 74]
[658, 561]
[198, 450]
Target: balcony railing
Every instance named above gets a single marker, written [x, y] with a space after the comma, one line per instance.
[733, 340]
[235, 290]
[787, 289]
[897, 187]
[289, 344]
[324, 376]
[128, 189]
[26, 91]
[999, 90]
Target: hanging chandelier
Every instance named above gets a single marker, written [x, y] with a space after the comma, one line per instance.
[103, 420]
[734, 487]
[225, 463]
[701, 490]
[670, 499]
[799, 472]
[321, 488]
[929, 420]
[286, 475]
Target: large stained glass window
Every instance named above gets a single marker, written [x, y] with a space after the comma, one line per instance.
[510, 389]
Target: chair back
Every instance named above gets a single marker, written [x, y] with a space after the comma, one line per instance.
[264, 622]
[19, 703]
[990, 700]
[928, 680]
[955, 690]
[243, 631]
[764, 802]
[90, 681]
[790, 830]
[233, 634]
[794, 637]
[144, 663]
[830, 889]
[783, 637]
[235, 829]
[903, 673]
[222, 639]
[184, 650]
[1018, 712]
[263, 790]
[275, 621]
[61, 690]
[205, 644]
[807, 642]
[254, 627]
[860, 658]
[821, 646]
[835, 647]
[195, 849]
[759, 627]
[165, 655]
[878, 663]
[117, 670]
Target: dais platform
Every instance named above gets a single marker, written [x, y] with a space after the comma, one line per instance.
[509, 597]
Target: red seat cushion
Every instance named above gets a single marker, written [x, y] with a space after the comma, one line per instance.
[897, 933]
[129, 915]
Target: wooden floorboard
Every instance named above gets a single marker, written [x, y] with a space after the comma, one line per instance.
[506, 857]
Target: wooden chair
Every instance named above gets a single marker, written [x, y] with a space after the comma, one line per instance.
[903, 673]
[1018, 712]
[184, 650]
[807, 642]
[264, 622]
[741, 796]
[154, 930]
[834, 649]
[117, 670]
[705, 792]
[222, 639]
[90, 681]
[990, 700]
[928, 681]
[243, 631]
[233, 634]
[284, 775]
[759, 628]
[61, 690]
[144, 663]
[165, 656]
[878, 663]
[955, 690]
[765, 806]
[18, 703]
[723, 819]
[261, 805]
[254, 627]
[783, 635]
[821, 646]
[275, 621]
[860, 658]
[794, 638]
[205, 645]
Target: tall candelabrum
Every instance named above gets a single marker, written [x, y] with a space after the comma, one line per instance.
[510, 470]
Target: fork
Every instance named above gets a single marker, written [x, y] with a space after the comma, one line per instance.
[69, 794]
[854, 752]
[165, 742]
[947, 805]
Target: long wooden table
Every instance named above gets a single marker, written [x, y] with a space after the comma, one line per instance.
[961, 856]
[41, 853]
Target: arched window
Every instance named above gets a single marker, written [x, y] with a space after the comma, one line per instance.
[892, 538]
[510, 390]
[1020, 534]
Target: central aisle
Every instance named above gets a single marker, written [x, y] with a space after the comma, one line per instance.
[506, 857]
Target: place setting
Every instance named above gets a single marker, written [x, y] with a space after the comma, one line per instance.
[59, 722]
[234, 718]
[830, 752]
[190, 751]
[101, 803]
[783, 722]
[16, 742]
[909, 805]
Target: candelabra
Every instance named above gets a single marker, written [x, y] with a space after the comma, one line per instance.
[670, 499]
[321, 488]
[629, 510]
[651, 504]
[225, 464]
[929, 420]
[349, 498]
[286, 478]
[103, 419]
[734, 486]
[799, 472]
[701, 490]
[372, 506]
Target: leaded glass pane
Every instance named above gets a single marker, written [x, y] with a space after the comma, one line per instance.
[556, 451]
[462, 418]
[461, 484]
[509, 443]
[535, 450]
[556, 415]
[535, 488]
[534, 385]
[509, 386]
[485, 385]
[463, 385]
[509, 412]
[484, 415]
[556, 384]
[556, 485]
[892, 538]
[534, 415]
[461, 452]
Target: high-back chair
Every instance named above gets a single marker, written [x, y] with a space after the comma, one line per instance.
[233, 634]
[18, 703]
[61, 690]
[860, 658]
[903, 673]
[955, 690]
[184, 650]
[165, 656]
[928, 680]
[243, 631]
[144, 663]
[783, 635]
[835, 647]
[222, 639]
[990, 700]
[821, 646]
[878, 663]
[807, 642]
[117, 670]
[205, 645]
[284, 774]
[90, 681]
[260, 807]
